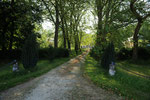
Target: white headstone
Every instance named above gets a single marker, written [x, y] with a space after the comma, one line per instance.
[112, 69]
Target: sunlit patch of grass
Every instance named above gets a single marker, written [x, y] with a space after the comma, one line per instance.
[123, 83]
[136, 67]
[9, 79]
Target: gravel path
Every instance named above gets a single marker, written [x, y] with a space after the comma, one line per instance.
[62, 83]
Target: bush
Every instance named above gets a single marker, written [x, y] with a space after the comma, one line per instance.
[125, 54]
[30, 53]
[96, 52]
[108, 56]
[13, 54]
[43, 53]
[143, 53]
[52, 53]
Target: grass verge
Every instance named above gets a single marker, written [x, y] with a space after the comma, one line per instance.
[123, 83]
[140, 67]
[9, 79]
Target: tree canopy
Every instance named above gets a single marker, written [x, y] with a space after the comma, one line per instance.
[112, 21]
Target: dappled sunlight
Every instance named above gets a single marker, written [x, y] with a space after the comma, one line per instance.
[90, 68]
[70, 76]
[101, 77]
[75, 61]
[134, 68]
[75, 69]
[107, 40]
[134, 73]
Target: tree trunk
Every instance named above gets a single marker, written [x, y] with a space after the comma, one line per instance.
[137, 29]
[69, 45]
[67, 35]
[135, 40]
[56, 25]
[99, 13]
[76, 46]
[63, 30]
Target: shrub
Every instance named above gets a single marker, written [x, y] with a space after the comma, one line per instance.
[143, 53]
[30, 53]
[52, 53]
[43, 53]
[108, 56]
[61, 52]
[96, 52]
[124, 54]
[13, 54]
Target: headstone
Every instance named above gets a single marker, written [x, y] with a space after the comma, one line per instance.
[15, 67]
[112, 69]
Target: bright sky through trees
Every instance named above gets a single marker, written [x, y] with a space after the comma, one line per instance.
[90, 21]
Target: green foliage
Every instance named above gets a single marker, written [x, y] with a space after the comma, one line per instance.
[11, 55]
[123, 83]
[96, 52]
[52, 53]
[108, 56]
[141, 66]
[30, 53]
[143, 53]
[57, 53]
[45, 39]
[145, 33]
[17, 18]
[126, 53]
[88, 39]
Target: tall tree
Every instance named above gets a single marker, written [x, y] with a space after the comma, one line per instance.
[62, 17]
[15, 21]
[141, 16]
[107, 12]
[54, 18]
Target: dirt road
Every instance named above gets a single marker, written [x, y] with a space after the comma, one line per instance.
[62, 83]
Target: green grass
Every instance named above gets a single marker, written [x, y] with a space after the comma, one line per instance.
[140, 67]
[9, 79]
[127, 85]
